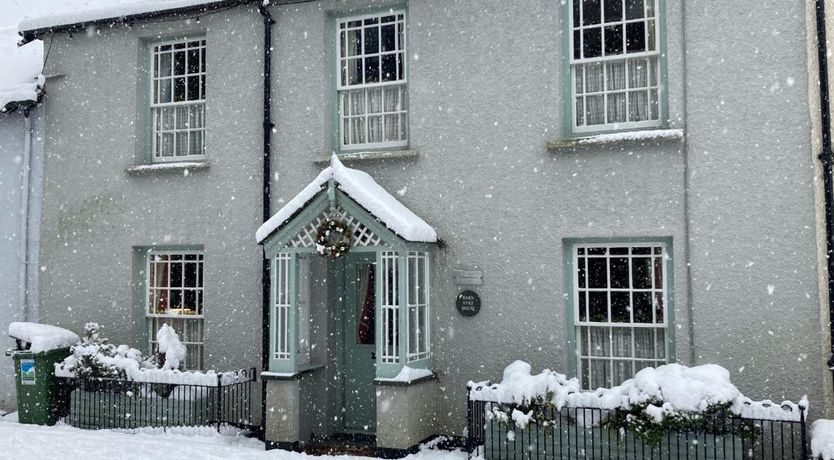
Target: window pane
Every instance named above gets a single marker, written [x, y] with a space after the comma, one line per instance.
[597, 273]
[590, 12]
[389, 38]
[179, 63]
[371, 40]
[641, 273]
[613, 40]
[389, 67]
[618, 272]
[635, 37]
[193, 88]
[621, 344]
[598, 307]
[592, 43]
[372, 69]
[576, 13]
[617, 112]
[620, 306]
[193, 61]
[642, 307]
[634, 9]
[613, 10]
[179, 89]
[595, 110]
[594, 77]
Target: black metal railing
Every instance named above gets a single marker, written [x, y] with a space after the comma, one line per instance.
[581, 433]
[110, 403]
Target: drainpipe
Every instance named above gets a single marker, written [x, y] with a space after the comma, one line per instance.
[267, 144]
[23, 282]
[826, 157]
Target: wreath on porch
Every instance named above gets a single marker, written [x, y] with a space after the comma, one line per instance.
[332, 239]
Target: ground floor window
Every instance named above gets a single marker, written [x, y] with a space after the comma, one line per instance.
[620, 310]
[175, 297]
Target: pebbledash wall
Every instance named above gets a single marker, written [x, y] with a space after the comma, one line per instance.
[98, 217]
[485, 97]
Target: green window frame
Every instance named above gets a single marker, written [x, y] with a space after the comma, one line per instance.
[380, 107]
[619, 307]
[614, 66]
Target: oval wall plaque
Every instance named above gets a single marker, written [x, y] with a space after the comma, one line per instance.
[468, 303]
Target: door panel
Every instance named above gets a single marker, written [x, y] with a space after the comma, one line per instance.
[359, 348]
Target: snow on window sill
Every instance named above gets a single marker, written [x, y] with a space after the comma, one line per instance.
[646, 137]
[407, 376]
[267, 375]
[178, 167]
[367, 155]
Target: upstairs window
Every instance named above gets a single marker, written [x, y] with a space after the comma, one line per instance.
[178, 100]
[372, 81]
[614, 65]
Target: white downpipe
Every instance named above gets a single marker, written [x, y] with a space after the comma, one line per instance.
[24, 218]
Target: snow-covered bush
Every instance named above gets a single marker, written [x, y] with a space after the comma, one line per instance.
[170, 347]
[654, 402]
[95, 358]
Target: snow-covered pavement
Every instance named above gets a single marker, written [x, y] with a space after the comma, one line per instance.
[63, 442]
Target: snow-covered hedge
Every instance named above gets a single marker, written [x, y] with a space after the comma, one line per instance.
[94, 358]
[676, 387]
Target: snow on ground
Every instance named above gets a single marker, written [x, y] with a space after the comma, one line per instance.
[822, 439]
[62, 441]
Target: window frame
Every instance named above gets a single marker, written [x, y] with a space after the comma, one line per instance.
[152, 107]
[569, 94]
[571, 283]
[150, 318]
[338, 88]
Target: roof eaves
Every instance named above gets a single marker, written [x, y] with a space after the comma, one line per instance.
[33, 34]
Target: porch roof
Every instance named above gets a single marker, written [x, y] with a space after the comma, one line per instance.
[362, 188]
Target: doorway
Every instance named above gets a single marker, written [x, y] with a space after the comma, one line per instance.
[359, 344]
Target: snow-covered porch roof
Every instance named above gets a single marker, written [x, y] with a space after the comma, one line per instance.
[361, 188]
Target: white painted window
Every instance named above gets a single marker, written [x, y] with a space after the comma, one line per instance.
[417, 303]
[282, 304]
[178, 100]
[372, 81]
[620, 302]
[615, 71]
[175, 297]
[304, 317]
[390, 306]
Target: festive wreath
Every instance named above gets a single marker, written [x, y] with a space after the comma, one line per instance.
[333, 239]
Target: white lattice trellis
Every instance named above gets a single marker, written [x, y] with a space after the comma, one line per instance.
[361, 235]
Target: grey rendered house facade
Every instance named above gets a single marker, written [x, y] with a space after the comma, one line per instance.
[21, 167]
[633, 182]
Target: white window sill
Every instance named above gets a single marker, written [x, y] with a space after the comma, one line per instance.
[645, 137]
[175, 167]
[368, 155]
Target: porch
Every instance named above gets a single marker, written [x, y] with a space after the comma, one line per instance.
[349, 318]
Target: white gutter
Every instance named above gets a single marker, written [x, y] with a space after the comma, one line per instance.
[24, 217]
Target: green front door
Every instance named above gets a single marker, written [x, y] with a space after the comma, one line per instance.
[359, 349]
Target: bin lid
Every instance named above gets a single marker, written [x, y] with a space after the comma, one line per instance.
[42, 337]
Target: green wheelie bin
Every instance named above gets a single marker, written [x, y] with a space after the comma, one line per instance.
[41, 399]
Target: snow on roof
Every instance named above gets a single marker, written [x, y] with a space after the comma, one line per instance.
[98, 10]
[362, 188]
[21, 77]
[43, 337]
